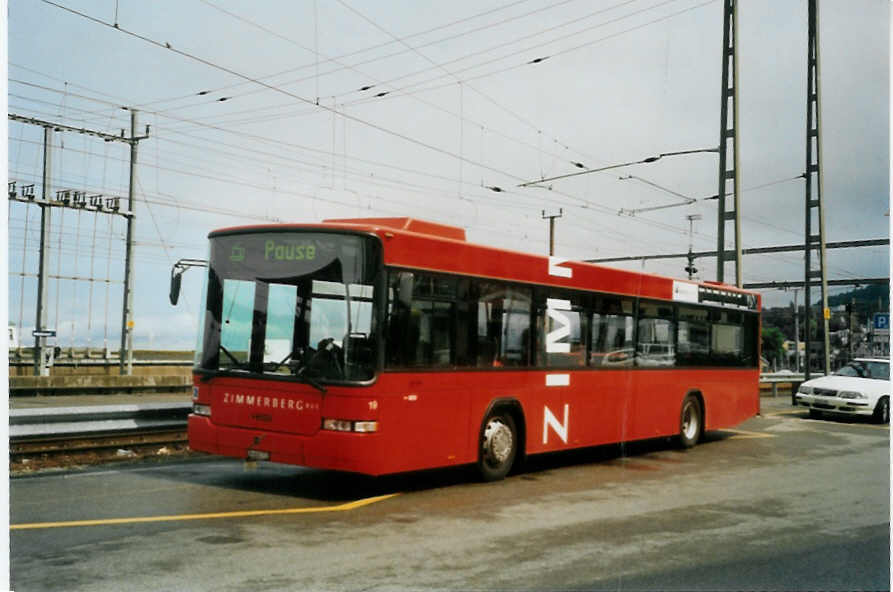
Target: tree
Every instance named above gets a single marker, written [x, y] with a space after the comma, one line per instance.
[773, 341]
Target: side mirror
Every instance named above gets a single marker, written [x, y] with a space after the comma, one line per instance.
[177, 275]
[176, 279]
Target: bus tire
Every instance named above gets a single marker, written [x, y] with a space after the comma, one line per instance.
[691, 422]
[882, 411]
[498, 445]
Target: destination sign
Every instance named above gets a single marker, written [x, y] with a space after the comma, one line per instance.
[275, 250]
[280, 256]
[288, 251]
[726, 298]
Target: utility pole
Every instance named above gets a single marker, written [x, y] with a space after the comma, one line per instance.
[126, 351]
[551, 218]
[728, 130]
[80, 202]
[690, 268]
[40, 331]
[814, 239]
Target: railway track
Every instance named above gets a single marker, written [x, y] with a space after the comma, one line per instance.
[64, 437]
[74, 451]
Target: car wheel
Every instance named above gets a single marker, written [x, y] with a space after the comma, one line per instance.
[882, 410]
[691, 422]
[815, 414]
[498, 446]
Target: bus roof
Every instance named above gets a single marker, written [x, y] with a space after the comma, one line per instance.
[419, 244]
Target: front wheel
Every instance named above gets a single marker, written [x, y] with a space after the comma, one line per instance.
[498, 446]
[691, 422]
[882, 410]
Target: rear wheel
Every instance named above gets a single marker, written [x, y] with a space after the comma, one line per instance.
[815, 414]
[498, 445]
[691, 422]
[882, 410]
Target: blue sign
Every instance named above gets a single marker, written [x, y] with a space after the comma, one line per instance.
[881, 320]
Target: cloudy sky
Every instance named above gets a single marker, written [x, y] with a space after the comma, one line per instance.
[297, 111]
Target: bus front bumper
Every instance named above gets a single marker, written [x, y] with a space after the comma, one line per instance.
[338, 451]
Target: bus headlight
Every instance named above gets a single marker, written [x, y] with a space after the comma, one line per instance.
[336, 425]
[365, 426]
[345, 425]
[199, 409]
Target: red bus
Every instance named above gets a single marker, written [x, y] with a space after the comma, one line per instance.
[385, 345]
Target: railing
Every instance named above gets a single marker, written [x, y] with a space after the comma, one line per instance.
[775, 379]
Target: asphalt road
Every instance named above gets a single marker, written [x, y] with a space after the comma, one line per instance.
[786, 503]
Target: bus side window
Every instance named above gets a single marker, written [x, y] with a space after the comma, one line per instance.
[655, 336]
[561, 326]
[611, 337]
[503, 325]
[693, 337]
[727, 338]
[420, 320]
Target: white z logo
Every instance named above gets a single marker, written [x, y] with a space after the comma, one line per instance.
[556, 270]
[550, 420]
[553, 305]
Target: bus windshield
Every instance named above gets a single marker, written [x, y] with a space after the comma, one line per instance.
[293, 304]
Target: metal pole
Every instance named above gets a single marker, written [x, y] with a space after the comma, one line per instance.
[728, 130]
[815, 242]
[551, 218]
[551, 235]
[818, 141]
[126, 351]
[736, 182]
[40, 341]
[796, 333]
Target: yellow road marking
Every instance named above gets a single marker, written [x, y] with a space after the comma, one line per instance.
[242, 514]
[786, 412]
[745, 435]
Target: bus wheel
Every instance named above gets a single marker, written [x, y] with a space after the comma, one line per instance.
[691, 422]
[498, 447]
[882, 411]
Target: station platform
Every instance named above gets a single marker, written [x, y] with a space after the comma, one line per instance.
[40, 402]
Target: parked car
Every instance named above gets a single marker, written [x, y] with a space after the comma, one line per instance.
[862, 387]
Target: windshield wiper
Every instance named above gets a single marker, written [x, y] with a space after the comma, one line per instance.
[304, 377]
[230, 355]
[274, 366]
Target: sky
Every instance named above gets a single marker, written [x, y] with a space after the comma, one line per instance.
[299, 111]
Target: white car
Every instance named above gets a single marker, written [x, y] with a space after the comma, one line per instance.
[862, 387]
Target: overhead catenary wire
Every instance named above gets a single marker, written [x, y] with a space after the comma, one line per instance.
[409, 47]
[564, 203]
[555, 139]
[336, 58]
[295, 96]
[193, 173]
[419, 88]
[580, 203]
